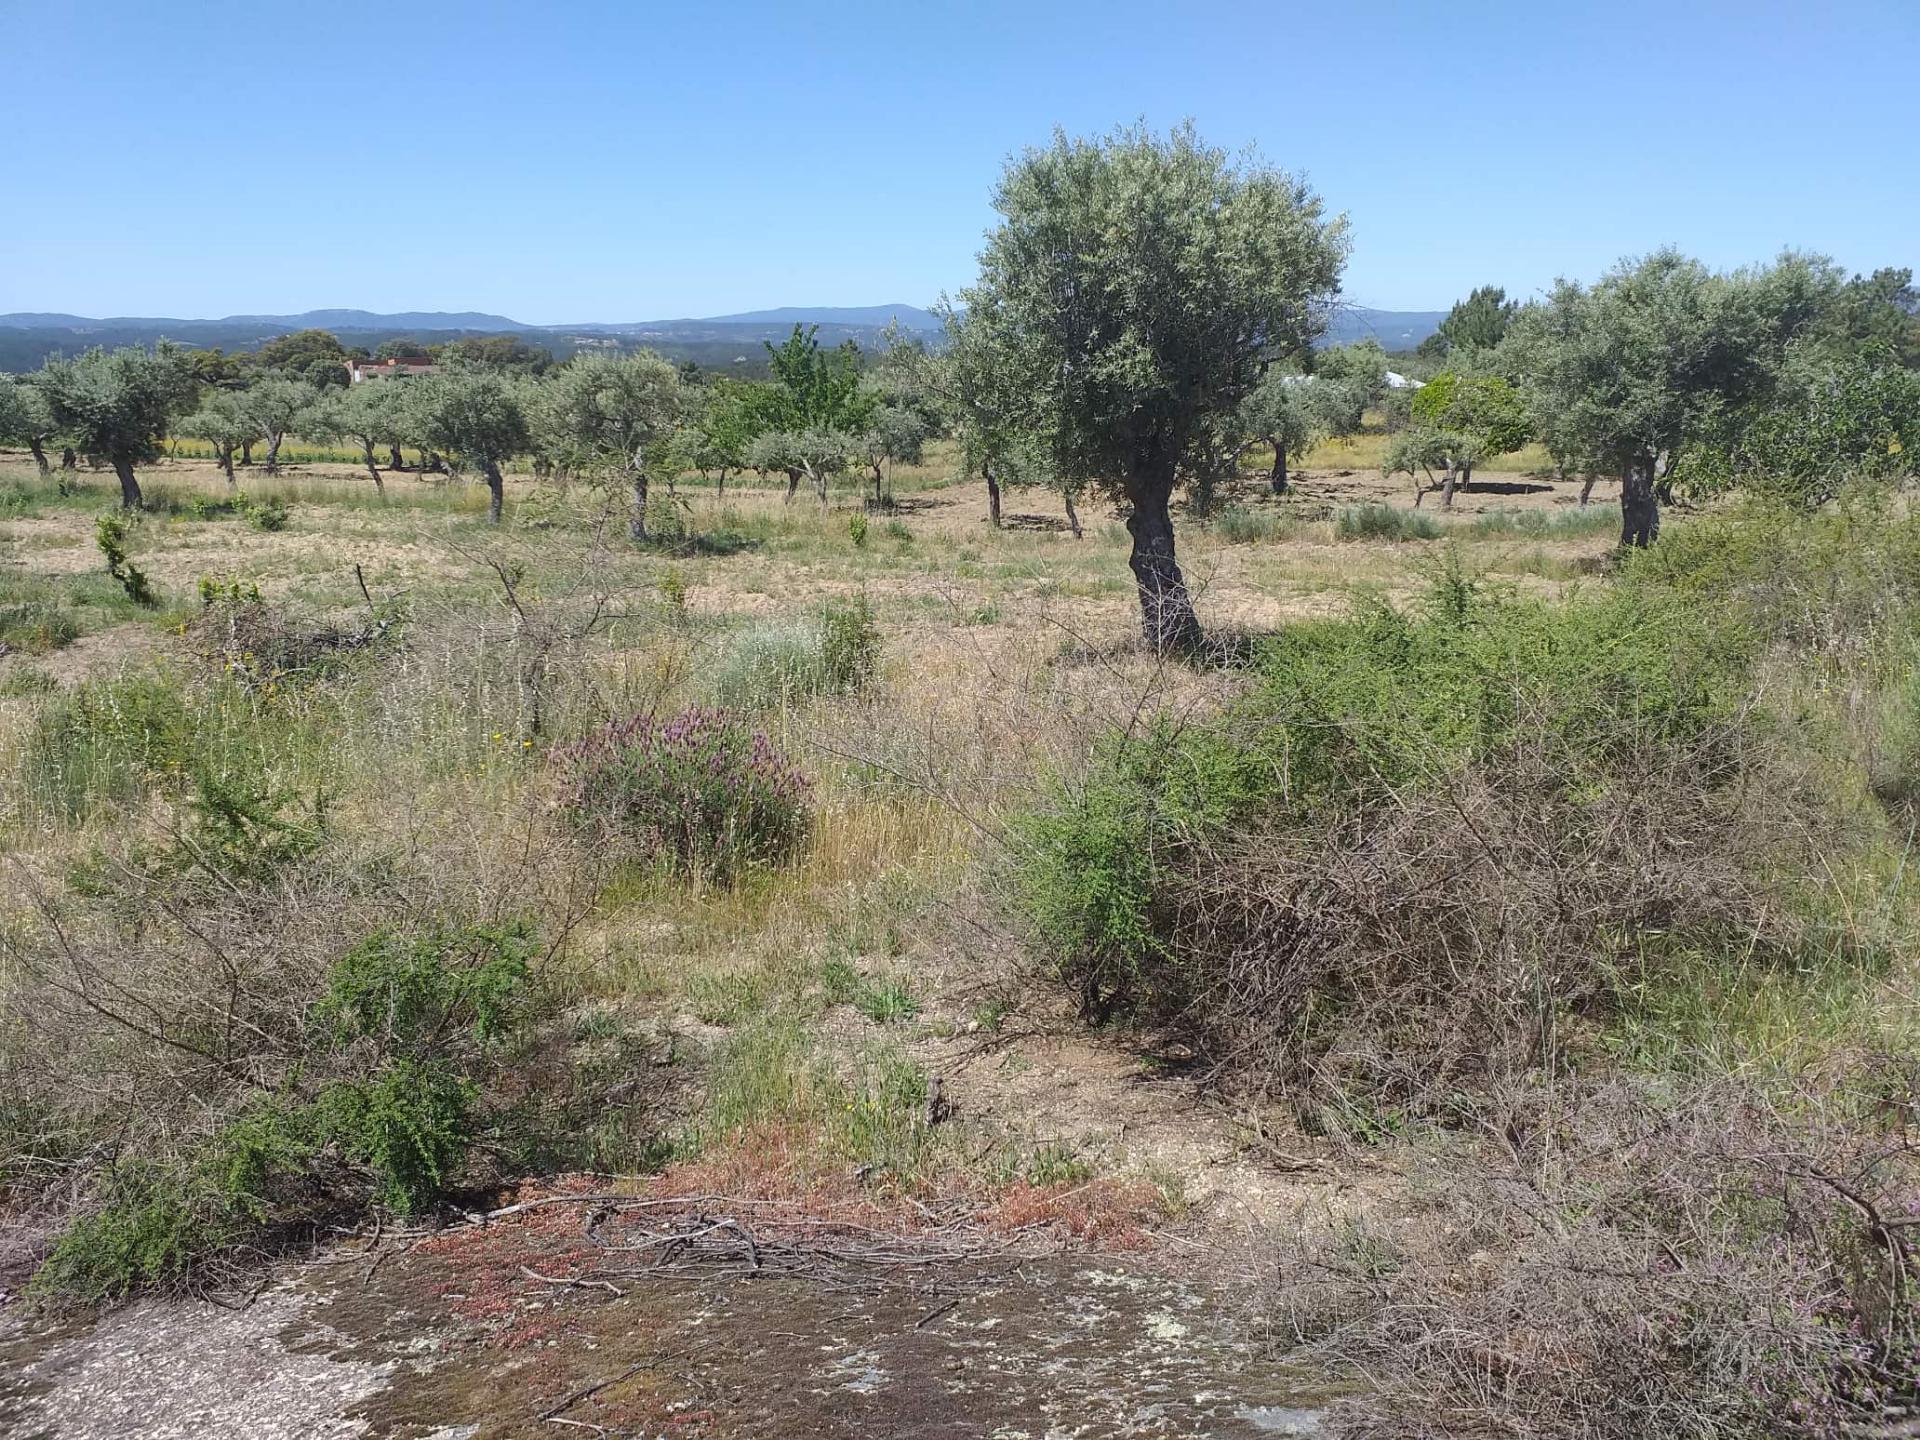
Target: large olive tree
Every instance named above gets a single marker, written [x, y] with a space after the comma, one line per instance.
[1134, 288]
[372, 414]
[613, 416]
[118, 404]
[1654, 357]
[224, 423]
[476, 415]
[277, 407]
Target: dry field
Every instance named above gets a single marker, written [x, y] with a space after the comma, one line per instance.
[777, 1043]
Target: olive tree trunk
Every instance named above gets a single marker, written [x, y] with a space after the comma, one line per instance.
[993, 494]
[273, 454]
[246, 452]
[394, 459]
[1073, 516]
[224, 454]
[130, 497]
[1278, 481]
[1639, 505]
[793, 485]
[366, 454]
[1167, 619]
[496, 490]
[39, 455]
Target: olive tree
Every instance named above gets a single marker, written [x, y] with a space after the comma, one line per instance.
[1293, 413]
[895, 435]
[1470, 418]
[1650, 361]
[372, 414]
[1133, 289]
[816, 455]
[224, 422]
[613, 416]
[1362, 364]
[477, 416]
[277, 407]
[721, 424]
[118, 404]
[26, 418]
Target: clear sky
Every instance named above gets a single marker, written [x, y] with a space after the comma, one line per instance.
[615, 160]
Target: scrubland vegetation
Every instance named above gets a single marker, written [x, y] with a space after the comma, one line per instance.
[655, 770]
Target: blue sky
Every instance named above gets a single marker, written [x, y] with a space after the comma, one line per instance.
[621, 161]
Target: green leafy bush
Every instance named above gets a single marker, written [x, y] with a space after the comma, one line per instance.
[702, 792]
[389, 1094]
[1140, 879]
[269, 514]
[111, 533]
[849, 645]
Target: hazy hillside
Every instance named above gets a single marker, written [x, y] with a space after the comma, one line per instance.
[27, 338]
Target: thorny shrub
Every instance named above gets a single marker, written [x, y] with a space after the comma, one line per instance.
[1420, 834]
[702, 792]
[377, 1099]
[1709, 1262]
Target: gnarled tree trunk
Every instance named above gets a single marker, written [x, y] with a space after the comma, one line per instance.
[1167, 619]
[1278, 481]
[1073, 515]
[39, 454]
[366, 454]
[246, 452]
[1639, 505]
[130, 497]
[793, 485]
[993, 494]
[273, 453]
[496, 490]
[224, 454]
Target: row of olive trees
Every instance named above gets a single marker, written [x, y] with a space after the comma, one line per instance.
[1147, 307]
[622, 420]
[1670, 376]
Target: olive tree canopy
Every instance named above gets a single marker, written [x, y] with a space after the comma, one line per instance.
[118, 404]
[476, 415]
[1134, 288]
[26, 418]
[278, 406]
[1293, 413]
[613, 416]
[1654, 357]
[370, 414]
[223, 422]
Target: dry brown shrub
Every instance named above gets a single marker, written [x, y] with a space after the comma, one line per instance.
[1630, 1262]
[1444, 935]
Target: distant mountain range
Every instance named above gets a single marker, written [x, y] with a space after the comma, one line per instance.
[27, 338]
